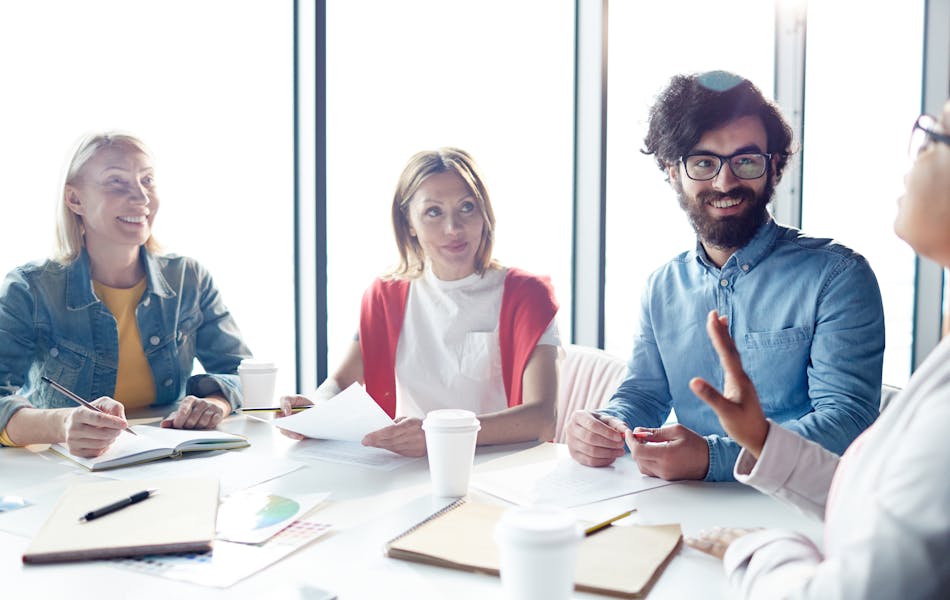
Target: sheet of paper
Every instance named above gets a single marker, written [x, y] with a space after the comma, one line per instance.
[236, 470]
[547, 474]
[228, 562]
[254, 516]
[348, 416]
[352, 453]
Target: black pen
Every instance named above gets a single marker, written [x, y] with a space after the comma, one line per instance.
[76, 398]
[111, 508]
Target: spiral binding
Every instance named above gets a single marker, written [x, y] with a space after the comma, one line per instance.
[431, 517]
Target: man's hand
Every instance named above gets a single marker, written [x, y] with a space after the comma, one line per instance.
[595, 440]
[406, 437]
[738, 406]
[198, 413]
[672, 452]
[89, 433]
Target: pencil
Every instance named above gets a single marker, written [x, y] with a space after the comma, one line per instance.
[598, 526]
[76, 398]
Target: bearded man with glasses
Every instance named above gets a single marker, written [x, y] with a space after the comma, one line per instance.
[806, 312]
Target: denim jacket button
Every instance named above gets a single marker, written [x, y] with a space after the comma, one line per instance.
[724, 282]
[167, 382]
[146, 301]
[54, 352]
[154, 340]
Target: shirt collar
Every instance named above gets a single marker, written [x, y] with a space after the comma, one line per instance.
[749, 255]
[79, 292]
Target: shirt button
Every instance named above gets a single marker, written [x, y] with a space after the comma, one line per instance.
[745, 268]
[54, 352]
[146, 301]
[723, 282]
[154, 340]
[167, 382]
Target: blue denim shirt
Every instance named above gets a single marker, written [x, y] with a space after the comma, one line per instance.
[807, 317]
[52, 324]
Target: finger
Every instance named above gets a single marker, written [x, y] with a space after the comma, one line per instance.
[718, 330]
[197, 411]
[90, 418]
[169, 421]
[207, 418]
[292, 434]
[110, 406]
[591, 431]
[710, 395]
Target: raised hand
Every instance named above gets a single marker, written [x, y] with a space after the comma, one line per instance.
[738, 405]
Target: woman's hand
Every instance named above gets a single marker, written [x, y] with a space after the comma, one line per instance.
[406, 437]
[738, 406]
[287, 405]
[89, 433]
[716, 541]
[198, 413]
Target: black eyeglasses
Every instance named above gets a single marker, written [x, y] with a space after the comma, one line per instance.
[923, 133]
[703, 166]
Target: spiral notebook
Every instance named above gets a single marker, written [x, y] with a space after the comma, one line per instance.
[621, 561]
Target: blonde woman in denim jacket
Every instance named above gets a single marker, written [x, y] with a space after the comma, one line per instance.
[111, 318]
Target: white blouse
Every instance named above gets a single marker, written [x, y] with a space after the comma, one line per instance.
[886, 512]
[449, 355]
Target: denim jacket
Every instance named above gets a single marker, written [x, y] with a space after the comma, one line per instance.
[52, 324]
[807, 318]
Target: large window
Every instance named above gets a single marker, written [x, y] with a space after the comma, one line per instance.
[861, 99]
[209, 87]
[494, 78]
[647, 45]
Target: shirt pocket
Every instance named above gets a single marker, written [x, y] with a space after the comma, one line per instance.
[777, 363]
[480, 356]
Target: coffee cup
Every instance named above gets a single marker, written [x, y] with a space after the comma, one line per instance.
[450, 444]
[537, 548]
[258, 381]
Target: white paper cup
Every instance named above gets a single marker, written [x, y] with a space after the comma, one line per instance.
[450, 445]
[537, 547]
[258, 380]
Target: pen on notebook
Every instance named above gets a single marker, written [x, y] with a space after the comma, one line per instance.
[75, 397]
[276, 409]
[118, 505]
[598, 526]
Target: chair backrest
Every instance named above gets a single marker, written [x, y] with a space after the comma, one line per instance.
[888, 392]
[588, 378]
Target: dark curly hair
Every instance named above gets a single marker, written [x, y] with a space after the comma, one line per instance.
[693, 104]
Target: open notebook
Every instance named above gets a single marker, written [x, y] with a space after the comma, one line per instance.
[153, 443]
[615, 561]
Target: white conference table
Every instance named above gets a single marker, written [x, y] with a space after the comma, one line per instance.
[367, 507]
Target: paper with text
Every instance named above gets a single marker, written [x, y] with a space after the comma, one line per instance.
[547, 474]
[352, 453]
[348, 416]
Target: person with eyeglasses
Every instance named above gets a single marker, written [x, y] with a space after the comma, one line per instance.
[807, 312]
[885, 501]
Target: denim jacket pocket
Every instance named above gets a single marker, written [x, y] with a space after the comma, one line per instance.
[186, 336]
[777, 361]
[64, 363]
[778, 341]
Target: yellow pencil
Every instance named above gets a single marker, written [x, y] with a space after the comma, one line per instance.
[597, 527]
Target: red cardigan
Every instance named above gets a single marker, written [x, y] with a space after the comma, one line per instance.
[527, 308]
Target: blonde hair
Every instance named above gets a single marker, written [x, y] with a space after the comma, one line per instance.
[69, 228]
[420, 167]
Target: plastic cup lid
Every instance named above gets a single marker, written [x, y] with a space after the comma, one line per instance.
[256, 364]
[450, 418]
[538, 525]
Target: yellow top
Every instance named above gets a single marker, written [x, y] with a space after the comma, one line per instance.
[134, 384]
[5, 439]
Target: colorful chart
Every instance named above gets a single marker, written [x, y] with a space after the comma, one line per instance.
[253, 516]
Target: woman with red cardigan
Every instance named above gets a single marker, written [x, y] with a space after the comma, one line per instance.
[450, 327]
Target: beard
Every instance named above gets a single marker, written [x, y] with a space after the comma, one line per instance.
[733, 231]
